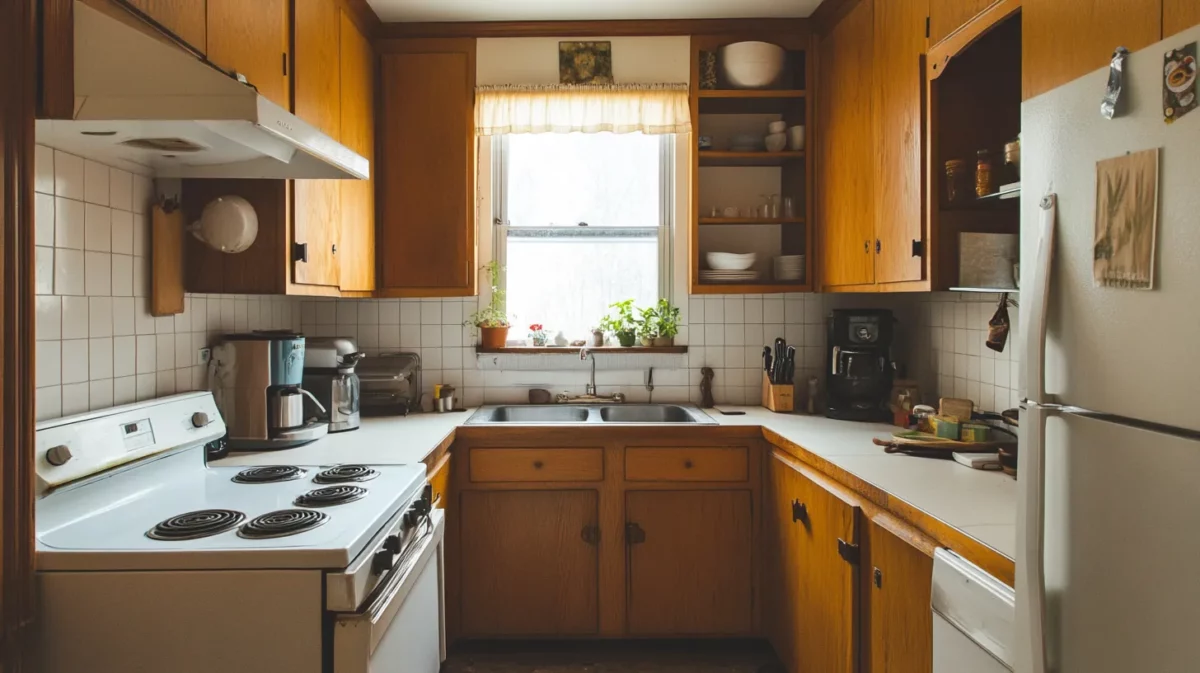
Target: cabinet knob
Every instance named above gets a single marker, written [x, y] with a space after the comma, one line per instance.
[687, 464]
[537, 464]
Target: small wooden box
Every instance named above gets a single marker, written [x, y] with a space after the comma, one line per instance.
[777, 397]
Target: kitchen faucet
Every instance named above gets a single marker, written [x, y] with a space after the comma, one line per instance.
[590, 390]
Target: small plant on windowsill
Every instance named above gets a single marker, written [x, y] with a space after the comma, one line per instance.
[537, 335]
[666, 323]
[647, 326]
[492, 320]
[621, 323]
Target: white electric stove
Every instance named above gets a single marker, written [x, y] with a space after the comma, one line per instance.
[296, 568]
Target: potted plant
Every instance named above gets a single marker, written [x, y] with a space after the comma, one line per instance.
[597, 337]
[537, 334]
[492, 320]
[647, 326]
[621, 323]
[668, 323]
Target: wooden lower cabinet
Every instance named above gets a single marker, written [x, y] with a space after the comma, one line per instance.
[811, 589]
[527, 565]
[690, 562]
[898, 628]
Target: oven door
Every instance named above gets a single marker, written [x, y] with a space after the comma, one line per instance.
[402, 627]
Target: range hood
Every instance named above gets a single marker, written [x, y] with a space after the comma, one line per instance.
[147, 105]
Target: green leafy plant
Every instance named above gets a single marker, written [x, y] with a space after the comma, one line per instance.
[495, 314]
[621, 323]
[647, 323]
[667, 319]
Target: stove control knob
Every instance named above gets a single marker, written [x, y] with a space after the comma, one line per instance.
[58, 455]
[392, 544]
[382, 562]
[200, 419]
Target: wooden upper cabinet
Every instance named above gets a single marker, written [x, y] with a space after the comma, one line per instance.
[1179, 15]
[690, 562]
[811, 590]
[1064, 40]
[528, 567]
[251, 38]
[185, 18]
[899, 44]
[356, 264]
[845, 198]
[899, 575]
[426, 172]
[947, 16]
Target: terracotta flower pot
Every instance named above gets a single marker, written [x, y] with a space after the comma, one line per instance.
[664, 341]
[493, 337]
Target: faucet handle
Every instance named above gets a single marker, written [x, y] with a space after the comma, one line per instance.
[561, 398]
[618, 398]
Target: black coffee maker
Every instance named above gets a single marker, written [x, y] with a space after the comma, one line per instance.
[858, 364]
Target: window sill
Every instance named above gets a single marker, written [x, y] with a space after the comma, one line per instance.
[574, 350]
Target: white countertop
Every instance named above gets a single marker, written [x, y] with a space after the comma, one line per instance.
[981, 504]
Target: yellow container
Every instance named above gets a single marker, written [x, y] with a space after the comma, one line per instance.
[946, 427]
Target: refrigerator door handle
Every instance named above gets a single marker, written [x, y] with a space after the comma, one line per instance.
[1037, 298]
[1030, 577]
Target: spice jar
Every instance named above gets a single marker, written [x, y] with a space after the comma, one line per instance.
[983, 173]
[956, 169]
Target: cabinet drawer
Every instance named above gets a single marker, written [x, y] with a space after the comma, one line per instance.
[537, 465]
[711, 463]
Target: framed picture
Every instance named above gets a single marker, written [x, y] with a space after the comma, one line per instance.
[1126, 220]
[585, 63]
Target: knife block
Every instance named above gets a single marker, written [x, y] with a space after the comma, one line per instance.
[779, 398]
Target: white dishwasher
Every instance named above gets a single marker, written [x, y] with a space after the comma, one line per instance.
[973, 615]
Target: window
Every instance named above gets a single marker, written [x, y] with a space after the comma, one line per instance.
[587, 223]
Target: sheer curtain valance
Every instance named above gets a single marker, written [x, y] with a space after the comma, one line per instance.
[583, 108]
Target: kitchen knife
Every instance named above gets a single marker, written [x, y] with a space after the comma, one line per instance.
[789, 365]
[777, 373]
[766, 355]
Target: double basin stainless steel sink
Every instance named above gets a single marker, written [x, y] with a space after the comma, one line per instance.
[542, 414]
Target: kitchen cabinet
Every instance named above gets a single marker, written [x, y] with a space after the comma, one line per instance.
[898, 106]
[426, 226]
[529, 563]
[251, 38]
[690, 562]
[356, 250]
[898, 572]
[947, 16]
[812, 577]
[1066, 39]
[316, 207]
[1179, 15]
[845, 195]
[185, 18]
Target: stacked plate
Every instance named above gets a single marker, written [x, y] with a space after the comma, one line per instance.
[789, 267]
[727, 276]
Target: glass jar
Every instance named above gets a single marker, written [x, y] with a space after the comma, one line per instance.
[956, 169]
[983, 173]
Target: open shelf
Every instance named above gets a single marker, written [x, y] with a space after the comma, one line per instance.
[750, 288]
[752, 93]
[1006, 192]
[757, 158]
[987, 290]
[751, 220]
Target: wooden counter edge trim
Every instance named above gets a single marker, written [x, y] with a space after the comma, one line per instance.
[994, 562]
[440, 453]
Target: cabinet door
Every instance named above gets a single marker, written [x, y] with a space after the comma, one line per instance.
[528, 568]
[185, 18]
[251, 38]
[845, 199]
[947, 16]
[1179, 15]
[1063, 40]
[899, 113]
[427, 212]
[356, 251]
[900, 629]
[316, 210]
[690, 562]
[811, 590]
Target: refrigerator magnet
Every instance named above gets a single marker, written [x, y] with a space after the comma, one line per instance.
[1179, 82]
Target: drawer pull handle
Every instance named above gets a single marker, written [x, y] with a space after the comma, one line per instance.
[687, 464]
[537, 464]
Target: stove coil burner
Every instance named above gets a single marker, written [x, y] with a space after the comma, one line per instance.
[282, 523]
[192, 525]
[269, 474]
[343, 473]
[331, 495]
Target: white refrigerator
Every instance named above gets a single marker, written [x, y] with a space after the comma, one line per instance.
[1108, 565]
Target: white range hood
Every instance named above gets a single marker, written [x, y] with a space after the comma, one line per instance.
[146, 105]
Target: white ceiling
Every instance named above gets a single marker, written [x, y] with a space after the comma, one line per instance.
[586, 10]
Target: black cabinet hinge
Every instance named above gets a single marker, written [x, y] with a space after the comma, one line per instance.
[848, 552]
[285, 64]
[299, 252]
[918, 248]
[878, 246]
[927, 28]
[799, 512]
[878, 574]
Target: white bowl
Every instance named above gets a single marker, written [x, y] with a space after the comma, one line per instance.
[777, 127]
[730, 261]
[776, 142]
[752, 65]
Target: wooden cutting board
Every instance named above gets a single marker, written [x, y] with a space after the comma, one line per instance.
[166, 259]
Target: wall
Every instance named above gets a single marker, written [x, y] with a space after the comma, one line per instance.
[952, 358]
[534, 60]
[97, 344]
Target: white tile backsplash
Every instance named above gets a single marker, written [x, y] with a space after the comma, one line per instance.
[953, 359]
[91, 281]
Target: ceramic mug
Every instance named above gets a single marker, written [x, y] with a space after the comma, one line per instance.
[796, 138]
[777, 127]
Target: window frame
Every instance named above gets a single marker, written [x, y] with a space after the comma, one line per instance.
[666, 214]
